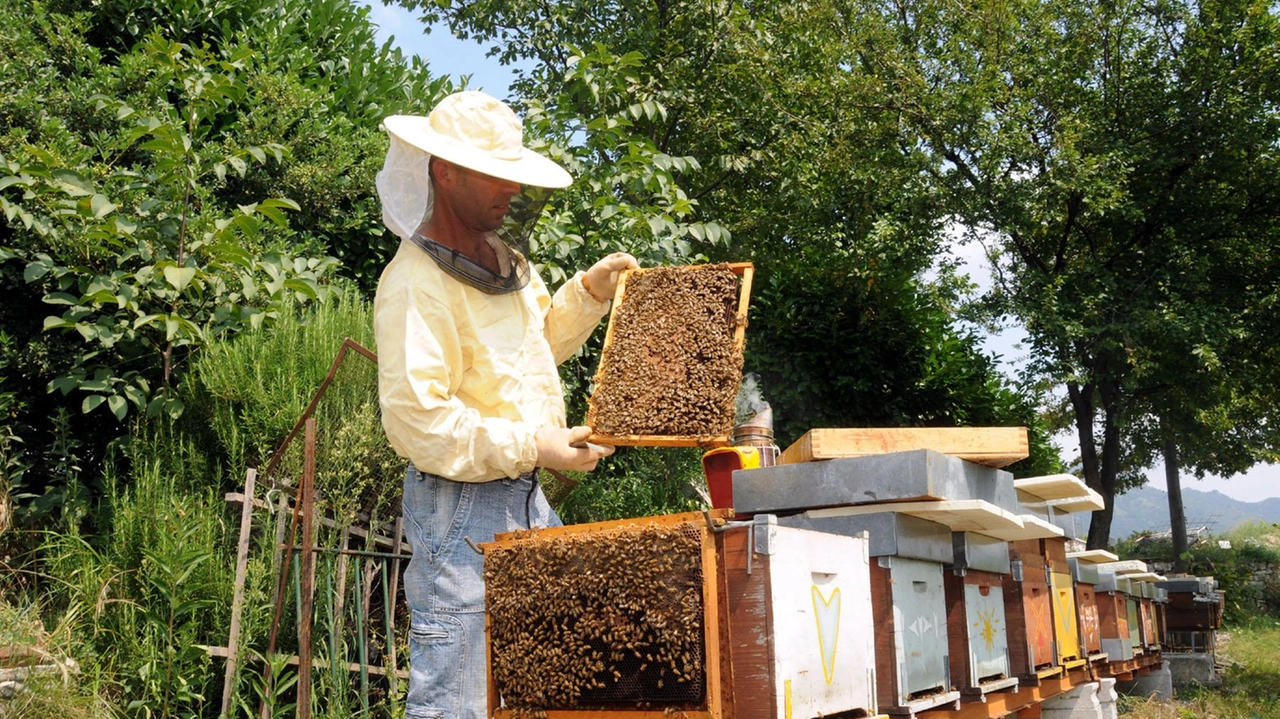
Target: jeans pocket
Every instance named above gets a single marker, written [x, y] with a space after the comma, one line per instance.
[435, 644]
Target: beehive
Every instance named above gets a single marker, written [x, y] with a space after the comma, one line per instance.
[1147, 615]
[671, 364]
[1069, 649]
[1137, 643]
[800, 633]
[977, 630]
[608, 617]
[1029, 610]
[672, 616]
[1085, 575]
[1113, 615]
[908, 603]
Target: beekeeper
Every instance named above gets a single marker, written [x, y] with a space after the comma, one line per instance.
[468, 343]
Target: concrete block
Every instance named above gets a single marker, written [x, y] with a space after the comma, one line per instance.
[891, 534]
[899, 476]
[1107, 698]
[1081, 702]
[1191, 669]
[1157, 683]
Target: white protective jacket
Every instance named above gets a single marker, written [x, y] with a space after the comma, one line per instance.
[466, 378]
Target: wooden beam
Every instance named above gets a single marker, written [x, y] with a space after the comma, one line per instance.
[1002, 704]
[960, 515]
[1052, 486]
[992, 446]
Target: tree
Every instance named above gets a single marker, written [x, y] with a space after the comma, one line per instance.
[173, 172]
[781, 143]
[1124, 155]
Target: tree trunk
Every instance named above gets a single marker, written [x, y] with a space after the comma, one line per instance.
[1177, 512]
[1100, 469]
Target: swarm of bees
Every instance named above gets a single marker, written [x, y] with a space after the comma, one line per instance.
[603, 618]
[671, 367]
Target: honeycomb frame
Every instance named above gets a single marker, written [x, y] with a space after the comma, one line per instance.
[598, 409]
[716, 694]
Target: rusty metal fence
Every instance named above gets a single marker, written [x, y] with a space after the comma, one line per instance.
[323, 521]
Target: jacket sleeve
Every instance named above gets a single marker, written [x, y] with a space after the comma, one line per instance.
[417, 345]
[570, 317]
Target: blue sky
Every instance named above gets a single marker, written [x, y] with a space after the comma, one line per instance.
[444, 54]
[447, 55]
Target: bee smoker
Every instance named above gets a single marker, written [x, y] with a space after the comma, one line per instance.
[752, 448]
[757, 431]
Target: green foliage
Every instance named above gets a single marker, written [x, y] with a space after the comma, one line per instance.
[635, 482]
[1121, 157]
[146, 153]
[153, 278]
[252, 389]
[768, 133]
[150, 592]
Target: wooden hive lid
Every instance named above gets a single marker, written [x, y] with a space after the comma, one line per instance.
[1032, 527]
[960, 515]
[1094, 556]
[991, 446]
[1051, 487]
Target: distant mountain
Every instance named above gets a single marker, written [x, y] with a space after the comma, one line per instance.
[1147, 508]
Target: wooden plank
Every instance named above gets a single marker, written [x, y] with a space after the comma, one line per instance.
[992, 446]
[719, 517]
[711, 623]
[1052, 486]
[1026, 698]
[602, 714]
[237, 598]
[1032, 527]
[961, 515]
[318, 662]
[1125, 567]
[1091, 502]
[1145, 577]
[1094, 556]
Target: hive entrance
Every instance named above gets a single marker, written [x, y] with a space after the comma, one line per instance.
[672, 360]
[599, 619]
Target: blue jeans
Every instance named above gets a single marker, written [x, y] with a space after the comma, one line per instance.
[444, 584]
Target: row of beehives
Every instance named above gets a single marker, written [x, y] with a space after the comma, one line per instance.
[897, 583]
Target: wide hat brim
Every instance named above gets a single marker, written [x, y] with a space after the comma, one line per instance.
[529, 168]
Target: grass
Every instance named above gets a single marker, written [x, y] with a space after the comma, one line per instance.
[1250, 686]
[59, 694]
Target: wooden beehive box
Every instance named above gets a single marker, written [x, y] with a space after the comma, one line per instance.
[1137, 644]
[1147, 615]
[1084, 574]
[977, 630]
[671, 365]
[1113, 616]
[800, 633]
[1029, 610]
[768, 622]
[908, 603]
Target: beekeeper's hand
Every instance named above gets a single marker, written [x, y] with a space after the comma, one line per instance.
[556, 450]
[602, 279]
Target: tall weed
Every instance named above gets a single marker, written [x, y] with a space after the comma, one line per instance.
[254, 388]
[152, 590]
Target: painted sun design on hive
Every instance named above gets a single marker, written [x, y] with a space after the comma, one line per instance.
[987, 620]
